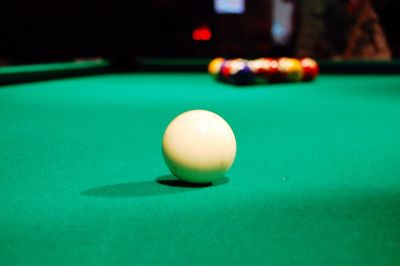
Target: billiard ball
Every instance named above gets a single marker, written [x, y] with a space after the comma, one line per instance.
[274, 74]
[224, 72]
[291, 69]
[215, 66]
[310, 69]
[259, 69]
[266, 70]
[199, 146]
[295, 70]
[240, 73]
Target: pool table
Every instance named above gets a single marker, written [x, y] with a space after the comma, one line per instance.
[316, 179]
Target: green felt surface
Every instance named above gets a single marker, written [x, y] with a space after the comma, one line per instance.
[316, 180]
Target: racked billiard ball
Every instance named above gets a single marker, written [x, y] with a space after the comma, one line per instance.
[291, 69]
[265, 70]
[310, 69]
[214, 66]
[199, 147]
[224, 72]
[240, 73]
[259, 68]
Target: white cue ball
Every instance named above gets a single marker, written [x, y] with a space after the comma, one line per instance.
[199, 146]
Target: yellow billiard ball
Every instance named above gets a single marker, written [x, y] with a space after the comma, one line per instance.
[199, 147]
[215, 66]
[291, 69]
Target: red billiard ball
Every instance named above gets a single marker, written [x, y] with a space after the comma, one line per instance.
[259, 69]
[225, 71]
[274, 73]
[310, 69]
[265, 70]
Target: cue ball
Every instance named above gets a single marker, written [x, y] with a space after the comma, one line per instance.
[199, 146]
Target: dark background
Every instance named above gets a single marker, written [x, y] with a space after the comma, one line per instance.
[48, 31]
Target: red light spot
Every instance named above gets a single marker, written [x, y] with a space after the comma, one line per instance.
[201, 34]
